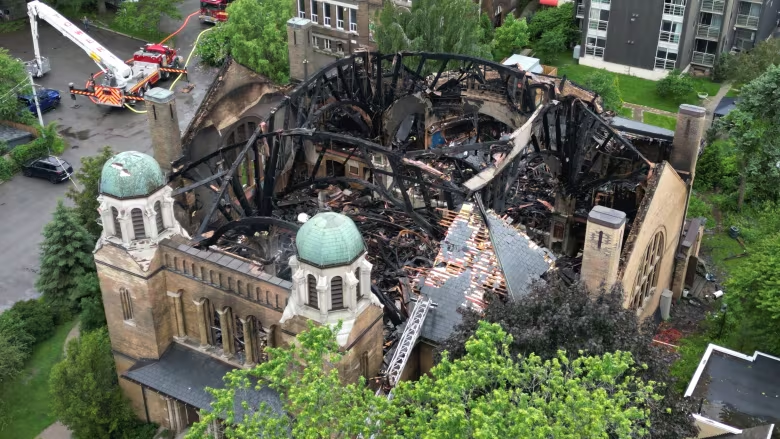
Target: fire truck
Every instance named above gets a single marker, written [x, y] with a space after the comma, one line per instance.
[121, 83]
[213, 11]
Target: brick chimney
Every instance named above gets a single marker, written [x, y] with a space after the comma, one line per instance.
[164, 126]
[603, 244]
[687, 138]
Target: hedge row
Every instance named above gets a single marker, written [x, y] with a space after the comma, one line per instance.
[22, 326]
[12, 163]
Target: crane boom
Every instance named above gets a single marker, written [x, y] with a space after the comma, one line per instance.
[107, 61]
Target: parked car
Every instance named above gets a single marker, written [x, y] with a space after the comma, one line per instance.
[51, 168]
[48, 99]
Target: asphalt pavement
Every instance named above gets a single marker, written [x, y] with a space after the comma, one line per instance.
[26, 204]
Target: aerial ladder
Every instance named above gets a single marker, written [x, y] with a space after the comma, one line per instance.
[121, 82]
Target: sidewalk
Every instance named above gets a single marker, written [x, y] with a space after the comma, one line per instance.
[709, 104]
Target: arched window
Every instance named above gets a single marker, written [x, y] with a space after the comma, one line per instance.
[357, 286]
[184, 267]
[211, 277]
[238, 287]
[158, 217]
[117, 227]
[216, 328]
[138, 223]
[203, 274]
[312, 284]
[336, 293]
[239, 338]
[647, 277]
[194, 271]
[127, 305]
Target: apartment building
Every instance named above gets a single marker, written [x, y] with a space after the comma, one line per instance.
[326, 30]
[686, 34]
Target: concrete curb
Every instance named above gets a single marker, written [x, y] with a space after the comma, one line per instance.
[107, 29]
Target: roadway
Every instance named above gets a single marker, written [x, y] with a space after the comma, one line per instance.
[26, 205]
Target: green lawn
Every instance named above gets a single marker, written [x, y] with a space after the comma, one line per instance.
[637, 90]
[733, 92]
[626, 112]
[26, 398]
[659, 120]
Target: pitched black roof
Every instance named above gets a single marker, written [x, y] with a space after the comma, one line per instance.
[184, 373]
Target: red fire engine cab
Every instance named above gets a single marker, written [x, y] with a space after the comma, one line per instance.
[213, 11]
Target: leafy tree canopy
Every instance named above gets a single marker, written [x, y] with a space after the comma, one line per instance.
[85, 394]
[488, 392]
[607, 85]
[754, 130]
[12, 82]
[675, 85]
[88, 177]
[255, 36]
[555, 317]
[87, 292]
[66, 255]
[12, 358]
[550, 45]
[449, 26]
[748, 65]
[510, 38]
[141, 16]
[559, 18]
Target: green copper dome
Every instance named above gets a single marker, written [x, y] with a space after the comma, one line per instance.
[131, 174]
[329, 239]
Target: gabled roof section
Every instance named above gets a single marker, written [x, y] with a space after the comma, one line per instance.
[481, 253]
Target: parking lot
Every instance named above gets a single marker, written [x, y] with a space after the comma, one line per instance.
[26, 204]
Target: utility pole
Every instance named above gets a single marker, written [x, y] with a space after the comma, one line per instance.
[35, 98]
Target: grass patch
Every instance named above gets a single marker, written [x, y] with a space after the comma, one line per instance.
[733, 91]
[659, 120]
[626, 112]
[11, 26]
[25, 400]
[640, 91]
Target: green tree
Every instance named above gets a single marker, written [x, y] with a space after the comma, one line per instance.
[754, 130]
[607, 86]
[449, 26]
[93, 315]
[510, 38]
[143, 16]
[753, 297]
[486, 393]
[255, 36]
[85, 200]
[675, 85]
[34, 317]
[550, 45]
[748, 65]
[85, 393]
[12, 358]
[560, 19]
[66, 255]
[13, 77]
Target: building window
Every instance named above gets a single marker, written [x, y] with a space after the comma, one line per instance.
[674, 7]
[599, 18]
[336, 293]
[158, 217]
[312, 284]
[326, 13]
[647, 277]
[175, 263]
[595, 46]
[357, 286]
[314, 17]
[117, 227]
[184, 267]
[315, 42]
[127, 305]
[327, 43]
[138, 223]
[353, 20]
[670, 31]
[665, 58]
[301, 8]
[340, 17]
[238, 287]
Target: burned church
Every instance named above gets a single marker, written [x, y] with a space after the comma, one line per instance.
[387, 192]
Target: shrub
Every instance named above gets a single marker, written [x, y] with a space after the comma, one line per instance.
[698, 208]
[35, 318]
[24, 153]
[717, 168]
[607, 86]
[676, 86]
[7, 169]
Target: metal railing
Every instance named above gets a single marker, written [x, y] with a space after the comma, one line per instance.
[703, 59]
[750, 21]
[707, 31]
[678, 10]
[595, 51]
[713, 6]
[580, 11]
[598, 24]
[744, 43]
[669, 37]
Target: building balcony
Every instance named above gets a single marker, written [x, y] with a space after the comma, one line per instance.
[748, 21]
[708, 32]
[703, 59]
[713, 6]
[580, 11]
[743, 44]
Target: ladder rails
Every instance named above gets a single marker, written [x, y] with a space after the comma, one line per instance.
[408, 339]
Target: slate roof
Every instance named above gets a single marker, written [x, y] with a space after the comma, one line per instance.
[476, 257]
[184, 373]
[230, 262]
